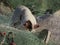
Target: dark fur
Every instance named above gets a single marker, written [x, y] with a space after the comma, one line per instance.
[28, 25]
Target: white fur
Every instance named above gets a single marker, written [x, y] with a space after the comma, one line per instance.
[26, 15]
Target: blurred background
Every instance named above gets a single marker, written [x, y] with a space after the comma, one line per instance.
[38, 8]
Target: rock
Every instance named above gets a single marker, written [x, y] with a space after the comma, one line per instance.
[52, 23]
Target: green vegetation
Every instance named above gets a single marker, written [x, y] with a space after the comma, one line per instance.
[21, 37]
[37, 6]
[4, 19]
